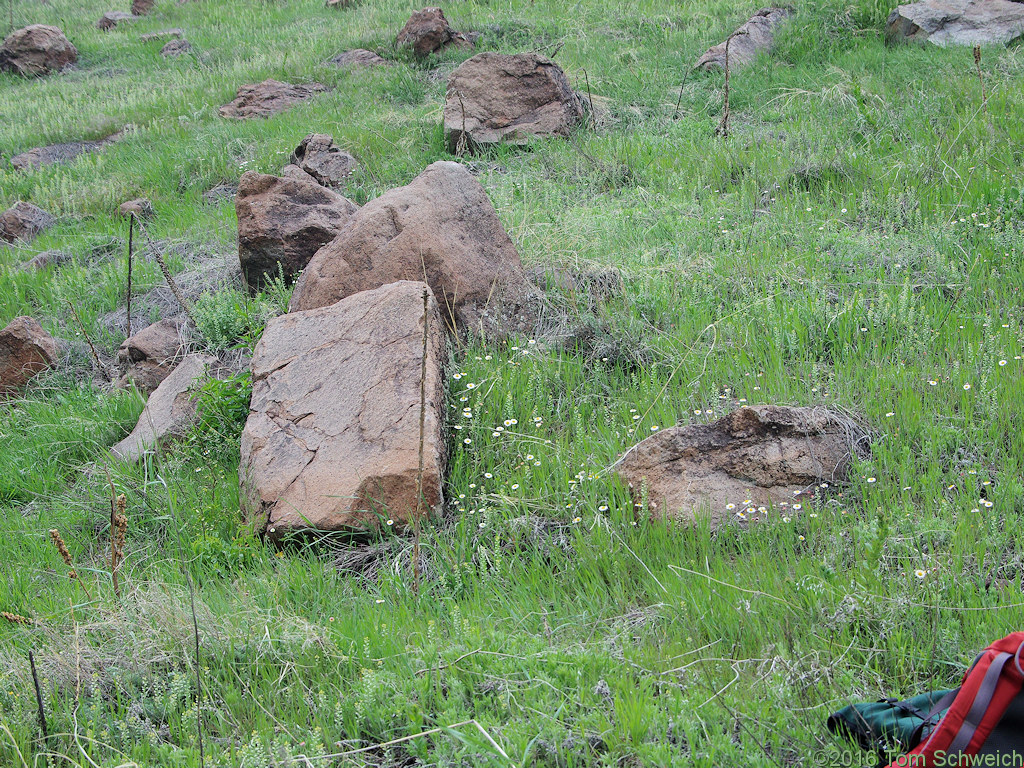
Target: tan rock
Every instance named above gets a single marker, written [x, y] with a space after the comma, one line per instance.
[36, 50]
[767, 454]
[754, 37]
[24, 221]
[283, 222]
[442, 224]
[332, 439]
[149, 356]
[170, 410]
[268, 98]
[26, 349]
[494, 98]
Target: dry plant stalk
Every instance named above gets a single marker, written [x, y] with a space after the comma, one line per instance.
[118, 530]
[81, 325]
[62, 548]
[723, 127]
[131, 232]
[16, 618]
[185, 304]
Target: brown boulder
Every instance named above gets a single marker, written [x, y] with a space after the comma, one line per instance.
[149, 356]
[170, 410]
[764, 454]
[747, 42]
[142, 7]
[326, 162]
[428, 32]
[268, 98]
[111, 19]
[24, 221]
[140, 207]
[360, 57]
[36, 50]
[494, 97]
[956, 22]
[284, 222]
[26, 349]
[175, 48]
[332, 439]
[441, 224]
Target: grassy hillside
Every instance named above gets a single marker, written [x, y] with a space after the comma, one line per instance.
[856, 242]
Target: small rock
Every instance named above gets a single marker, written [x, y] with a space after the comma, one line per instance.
[44, 260]
[340, 3]
[333, 435]
[326, 162]
[141, 207]
[220, 192]
[441, 224]
[175, 48]
[494, 98]
[170, 410]
[282, 223]
[163, 33]
[360, 57]
[111, 19]
[956, 22]
[758, 456]
[37, 50]
[142, 7]
[269, 98]
[747, 42]
[427, 32]
[149, 356]
[24, 221]
[26, 349]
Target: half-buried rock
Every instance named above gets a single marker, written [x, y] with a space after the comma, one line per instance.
[494, 98]
[758, 456]
[282, 222]
[24, 221]
[754, 37]
[170, 410]
[26, 349]
[333, 436]
[442, 225]
[268, 98]
[956, 22]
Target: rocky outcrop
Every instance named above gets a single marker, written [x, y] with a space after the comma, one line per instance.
[758, 456]
[282, 222]
[170, 410]
[332, 441]
[755, 37]
[269, 98]
[324, 161]
[442, 225]
[428, 31]
[149, 356]
[37, 50]
[494, 98]
[26, 349]
[956, 22]
[24, 221]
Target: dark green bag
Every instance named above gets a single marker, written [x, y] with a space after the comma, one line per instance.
[890, 725]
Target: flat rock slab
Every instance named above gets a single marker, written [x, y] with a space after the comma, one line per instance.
[26, 349]
[269, 98]
[494, 98]
[360, 57]
[282, 222]
[37, 50]
[175, 48]
[754, 37]
[163, 34]
[111, 19]
[757, 456]
[60, 153]
[170, 410]
[441, 224]
[327, 163]
[956, 22]
[333, 435]
[24, 221]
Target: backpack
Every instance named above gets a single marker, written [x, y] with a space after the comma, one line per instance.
[983, 717]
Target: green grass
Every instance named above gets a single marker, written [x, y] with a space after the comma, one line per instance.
[856, 241]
